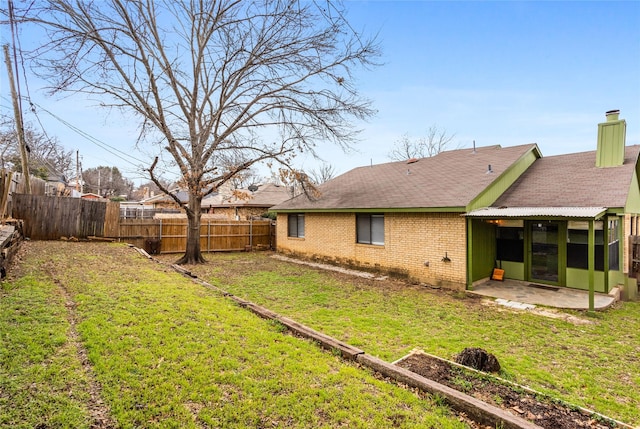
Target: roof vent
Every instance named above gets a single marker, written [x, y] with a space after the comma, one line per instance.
[412, 160]
[253, 188]
[489, 170]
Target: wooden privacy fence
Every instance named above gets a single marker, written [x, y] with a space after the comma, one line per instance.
[49, 218]
[170, 235]
[14, 183]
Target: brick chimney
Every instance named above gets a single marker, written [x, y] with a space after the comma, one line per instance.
[611, 140]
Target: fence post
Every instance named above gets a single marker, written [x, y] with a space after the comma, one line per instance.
[250, 233]
[208, 235]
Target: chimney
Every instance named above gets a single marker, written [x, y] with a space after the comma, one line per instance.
[611, 140]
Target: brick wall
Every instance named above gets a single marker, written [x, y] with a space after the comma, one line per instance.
[415, 245]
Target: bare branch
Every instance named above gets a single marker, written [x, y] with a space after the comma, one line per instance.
[436, 141]
[266, 79]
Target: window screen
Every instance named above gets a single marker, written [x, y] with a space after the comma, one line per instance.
[296, 225]
[370, 228]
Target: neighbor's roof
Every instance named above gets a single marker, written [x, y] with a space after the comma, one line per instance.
[572, 180]
[449, 179]
[180, 193]
[266, 195]
[521, 212]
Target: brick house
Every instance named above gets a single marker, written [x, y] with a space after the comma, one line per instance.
[244, 204]
[449, 219]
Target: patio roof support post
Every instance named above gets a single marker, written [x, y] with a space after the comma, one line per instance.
[605, 245]
[591, 264]
[469, 254]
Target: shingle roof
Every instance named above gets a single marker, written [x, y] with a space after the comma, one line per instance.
[266, 195]
[449, 179]
[572, 180]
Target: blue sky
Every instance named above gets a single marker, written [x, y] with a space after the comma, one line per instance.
[503, 73]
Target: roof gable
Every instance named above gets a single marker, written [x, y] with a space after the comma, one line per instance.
[449, 180]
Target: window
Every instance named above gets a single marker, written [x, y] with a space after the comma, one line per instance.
[370, 228]
[510, 243]
[578, 248]
[296, 225]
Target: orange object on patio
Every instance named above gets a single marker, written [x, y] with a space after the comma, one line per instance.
[498, 274]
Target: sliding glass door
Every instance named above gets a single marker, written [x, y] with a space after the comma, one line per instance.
[544, 252]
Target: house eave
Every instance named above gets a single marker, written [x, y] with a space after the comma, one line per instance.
[376, 210]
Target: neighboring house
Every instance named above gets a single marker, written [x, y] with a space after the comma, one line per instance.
[242, 204]
[164, 201]
[227, 203]
[450, 219]
[56, 185]
[92, 196]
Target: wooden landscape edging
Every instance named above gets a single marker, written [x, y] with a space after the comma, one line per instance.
[477, 410]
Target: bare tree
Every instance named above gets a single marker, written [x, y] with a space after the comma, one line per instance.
[322, 174]
[268, 78]
[433, 143]
[46, 154]
[107, 182]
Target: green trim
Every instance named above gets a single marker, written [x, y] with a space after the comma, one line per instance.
[492, 192]
[470, 252]
[605, 248]
[632, 204]
[460, 210]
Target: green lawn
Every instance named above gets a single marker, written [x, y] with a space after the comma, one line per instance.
[594, 365]
[166, 352]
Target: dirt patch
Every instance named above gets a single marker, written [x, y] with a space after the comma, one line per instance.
[535, 408]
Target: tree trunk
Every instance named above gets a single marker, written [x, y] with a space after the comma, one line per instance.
[193, 254]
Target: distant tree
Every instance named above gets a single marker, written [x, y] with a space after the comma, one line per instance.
[107, 182]
[228, 160]
[46, 155]
[322, 174]
[149, 189]
[436, 141]
[209, 77]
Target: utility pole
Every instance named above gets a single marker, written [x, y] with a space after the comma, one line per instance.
[19, 128]
[78, 175]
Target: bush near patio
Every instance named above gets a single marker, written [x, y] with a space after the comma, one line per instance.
[593, 365]
[162, 351]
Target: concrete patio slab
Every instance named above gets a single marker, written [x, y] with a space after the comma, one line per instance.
[517, 292]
